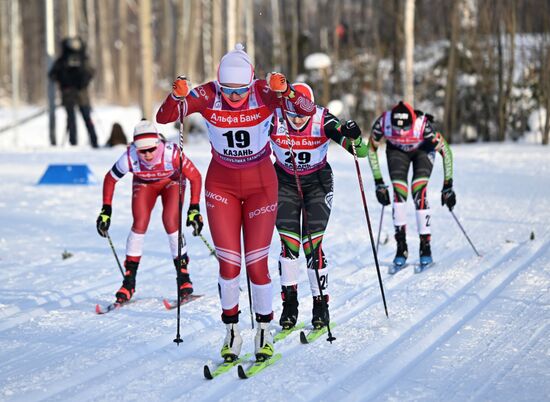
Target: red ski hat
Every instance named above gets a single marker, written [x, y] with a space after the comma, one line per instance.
[304, 89]
[146, 135]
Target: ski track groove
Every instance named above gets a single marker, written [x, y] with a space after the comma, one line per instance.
[225, 384]
[385, 378]
[21, 315]
[221, 388]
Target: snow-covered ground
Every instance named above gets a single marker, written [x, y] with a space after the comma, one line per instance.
[468, 328]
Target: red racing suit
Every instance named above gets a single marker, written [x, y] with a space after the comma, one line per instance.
[158, 178]
[240, 186]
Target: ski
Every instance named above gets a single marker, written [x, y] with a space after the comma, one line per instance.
[283, 333]
[172, 304]
[223, 367]
[110, 307]
[257, 366]
[314, 334]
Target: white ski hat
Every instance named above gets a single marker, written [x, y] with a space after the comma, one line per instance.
[146, 135]
[236, 67]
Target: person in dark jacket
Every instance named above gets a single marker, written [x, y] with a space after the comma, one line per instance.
[73, 72]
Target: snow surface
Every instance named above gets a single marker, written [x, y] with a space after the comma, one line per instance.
[468, 328]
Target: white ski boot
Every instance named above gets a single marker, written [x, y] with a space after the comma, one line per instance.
[232, 343]
[263, 342]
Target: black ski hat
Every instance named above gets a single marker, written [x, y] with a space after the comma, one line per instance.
[402, 116]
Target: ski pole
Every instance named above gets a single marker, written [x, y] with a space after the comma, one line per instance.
[249, 299]
[305, 221]
[463, 231]
[379, 228]
[374, 249]
[178, 339]
[212, 251]
[115, 254]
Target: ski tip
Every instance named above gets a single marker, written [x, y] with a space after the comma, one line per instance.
[167, 304]
[303, 337]
[241, 372]
[207, 374]
[98, 309]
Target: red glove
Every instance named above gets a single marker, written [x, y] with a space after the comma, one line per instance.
[277, 83]
[180, 87]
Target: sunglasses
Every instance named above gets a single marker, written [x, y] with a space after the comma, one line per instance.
[239, 91]
[294, 115]
[148, 150]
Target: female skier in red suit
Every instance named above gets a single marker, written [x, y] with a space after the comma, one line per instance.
[241, 184]
[155, 166]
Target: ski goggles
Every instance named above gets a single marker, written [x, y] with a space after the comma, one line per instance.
[148, 150]
[292, 115]
[239, 91]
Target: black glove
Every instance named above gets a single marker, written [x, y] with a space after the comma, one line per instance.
[194, 218]
[448, 196]
[104, 220]
[382, 193]
[351, 130]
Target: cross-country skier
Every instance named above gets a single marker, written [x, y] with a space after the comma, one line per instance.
[410, 139]
[241, 184]
[155, 164]
[310, 138]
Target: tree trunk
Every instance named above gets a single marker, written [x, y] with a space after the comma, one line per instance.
[194, 41]
[276, 33]
[105, 44]
[145, 35]
[250, 39]
[231, 24]
[294, 55]
[409, 51]
[123, 83]
[217, 33]
[91, 40]
[449, 117]
[397, 48]
[208, 69]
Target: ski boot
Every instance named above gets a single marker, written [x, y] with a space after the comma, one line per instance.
[425, 253]
[128, 287]
[289, 316]
[184, 280]
[263, 342]
[320, 316]
[402, 252]
[232, 343]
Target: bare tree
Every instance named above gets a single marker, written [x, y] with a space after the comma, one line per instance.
[396, 45]
[250, 40]
[146, 59]
[449, 117]
[107, 74]
[123, 64]
[409, 51]
[217, 31]
[277, 37]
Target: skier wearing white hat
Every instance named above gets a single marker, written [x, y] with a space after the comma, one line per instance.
[155, 166]
[241, 184]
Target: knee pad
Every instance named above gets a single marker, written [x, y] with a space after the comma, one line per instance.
[399, 214]
[323, 279]
[134, 244]
[262, 298]
[289, 269]
[423, 221]
[229, 292]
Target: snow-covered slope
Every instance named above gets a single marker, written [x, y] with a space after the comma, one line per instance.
[468, 328]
